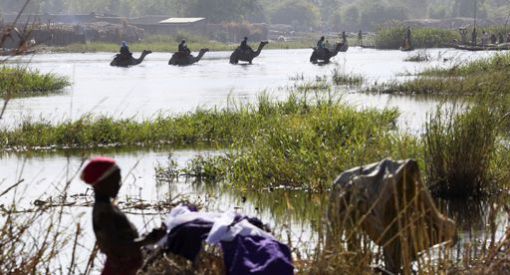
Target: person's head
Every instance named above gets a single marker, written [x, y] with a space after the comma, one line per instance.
[124, 44]
[322, 38]
[103, 175]
[245, 38]
[183, 41]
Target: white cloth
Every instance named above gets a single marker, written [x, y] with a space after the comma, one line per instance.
[223, 230]
[181, 215]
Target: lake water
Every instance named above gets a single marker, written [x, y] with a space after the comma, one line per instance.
[153, 88]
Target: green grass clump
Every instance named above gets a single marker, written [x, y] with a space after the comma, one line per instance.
[346, 79]
[392, 38]
[307, 150]
[460, 148]
[418, 57]
[22, 82]
[497, 63]
[213, 128]
[488, 76]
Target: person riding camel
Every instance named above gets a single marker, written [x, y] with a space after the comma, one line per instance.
[124, 51]
[116, 236]
[321, 45]
[183, 48]
[244, 45]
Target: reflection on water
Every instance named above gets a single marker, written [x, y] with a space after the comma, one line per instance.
[45, 175]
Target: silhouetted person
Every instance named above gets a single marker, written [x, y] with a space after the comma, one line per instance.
[473, 37]
[485, 38]
[244, 45]
[116, 236]
[463, 35]
[183, 48]
[124, 51]
[407, 39]
[501, 38]
[494, 39]
[360, 38]
[321, 45]
[344, 37]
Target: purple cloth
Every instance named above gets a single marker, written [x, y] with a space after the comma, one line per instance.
[256, 255]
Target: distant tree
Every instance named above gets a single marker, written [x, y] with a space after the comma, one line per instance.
[220, 10]
[438, 11]
[350, 17]
[376, 13]
[466, 8]
[299, 13]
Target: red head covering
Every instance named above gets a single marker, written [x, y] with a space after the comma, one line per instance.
[98, 169]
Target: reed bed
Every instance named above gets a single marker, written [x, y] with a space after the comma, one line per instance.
[214, 128]
[23, 82]
[461, 148]
[393, 37]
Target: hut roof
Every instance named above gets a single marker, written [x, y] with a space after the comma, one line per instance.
[182, 20]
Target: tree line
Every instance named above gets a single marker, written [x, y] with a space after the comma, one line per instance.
[302, 14]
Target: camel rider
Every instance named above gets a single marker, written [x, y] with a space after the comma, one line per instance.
[244, 45]
[321, 45]
[124, 51]
[183, 48]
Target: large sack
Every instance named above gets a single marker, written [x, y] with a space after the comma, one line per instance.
[389, 202]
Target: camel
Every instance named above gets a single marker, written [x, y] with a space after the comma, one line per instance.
[389, 203]
[182, 59]
[323, 56]
[120, 62]
[248, 56]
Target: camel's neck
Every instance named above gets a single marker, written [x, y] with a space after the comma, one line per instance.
[199, 56]
[336, 50]
[259, 49]
[141, 58]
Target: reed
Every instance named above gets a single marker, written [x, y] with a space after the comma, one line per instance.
[393, 37]
[23, 82]
[460, 147]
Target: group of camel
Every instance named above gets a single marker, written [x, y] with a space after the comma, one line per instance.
[319, 56]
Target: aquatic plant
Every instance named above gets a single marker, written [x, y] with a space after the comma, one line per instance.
[460, 146]
[307, 150]
[23, 82]
[393, 37]
[340, 78]
[418, 57]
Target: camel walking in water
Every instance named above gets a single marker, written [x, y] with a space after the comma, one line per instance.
[324, 55]
[246, 55]
[182, 59]
[119, 61]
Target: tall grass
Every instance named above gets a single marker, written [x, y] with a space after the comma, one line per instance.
[392, 38]
[460, 148]
[486, 76]
[307, 150]
[497, 63]
[22, 82]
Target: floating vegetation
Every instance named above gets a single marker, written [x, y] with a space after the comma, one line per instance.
[23, 82]
[346, 79]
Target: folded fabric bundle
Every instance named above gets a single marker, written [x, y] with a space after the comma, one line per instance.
[247, 248]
